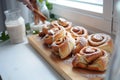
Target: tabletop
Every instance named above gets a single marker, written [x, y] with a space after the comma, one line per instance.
[22, 62]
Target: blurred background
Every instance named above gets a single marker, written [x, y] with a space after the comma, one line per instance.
[11, 4]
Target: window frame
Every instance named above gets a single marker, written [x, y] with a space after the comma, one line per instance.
[87, 1]
[115, 16]
[91, 20]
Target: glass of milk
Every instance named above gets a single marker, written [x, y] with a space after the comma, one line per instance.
[15, 26]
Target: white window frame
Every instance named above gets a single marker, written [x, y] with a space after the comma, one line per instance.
[91, 20]
[115, 16]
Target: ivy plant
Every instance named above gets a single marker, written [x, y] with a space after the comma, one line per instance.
[49, 5]
[4, 36]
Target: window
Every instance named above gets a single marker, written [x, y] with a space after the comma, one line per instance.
[91, 5]
[115, 15]
[94, 2]
[92, 14]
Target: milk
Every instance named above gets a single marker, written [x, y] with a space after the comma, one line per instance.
[16, 30]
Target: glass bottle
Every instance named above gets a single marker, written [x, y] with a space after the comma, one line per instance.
[44, 9]
[15, 25]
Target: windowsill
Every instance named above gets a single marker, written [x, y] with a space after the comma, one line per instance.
[89, 16]
[76, 5]
[22, 62]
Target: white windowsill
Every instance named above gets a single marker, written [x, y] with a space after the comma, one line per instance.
[89, 16]
[22, 62]
[76, 5]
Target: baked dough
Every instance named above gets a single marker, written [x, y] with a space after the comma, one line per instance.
[54, 34]
[102, 41]
[78, 31]
[91, 58]
[63, 46]
[80, 42]
[66, 24]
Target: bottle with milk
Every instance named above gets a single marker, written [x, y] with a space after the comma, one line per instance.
[15, 25]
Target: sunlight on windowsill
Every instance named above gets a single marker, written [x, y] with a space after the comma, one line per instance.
[82, 6]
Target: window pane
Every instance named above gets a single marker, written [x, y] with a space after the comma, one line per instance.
[96, 2]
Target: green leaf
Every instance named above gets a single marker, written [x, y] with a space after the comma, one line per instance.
[49, 5]
[40, 1]
[35, 32]
[4, 36]
[27, 25]
[52, 15]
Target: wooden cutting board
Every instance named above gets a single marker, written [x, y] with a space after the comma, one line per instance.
[63, 67]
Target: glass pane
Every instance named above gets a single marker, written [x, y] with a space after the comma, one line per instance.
[95, 2]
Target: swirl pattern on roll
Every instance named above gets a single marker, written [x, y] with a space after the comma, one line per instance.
[80, 42]
[46, 28]
[78, 31]
[66, 24]
[101, 40]
[91, 58]
[63, 46]
[54, 34]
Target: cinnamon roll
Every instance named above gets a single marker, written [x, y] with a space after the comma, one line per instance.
[91, 58]
[66, 24]
[54, 34]
[47, 27]
[78, 31]
[102, 41]
[41, 34]
[53, 24]
[63, 46]
[80, 42]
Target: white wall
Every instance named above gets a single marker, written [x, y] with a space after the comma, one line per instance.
[91, 20]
